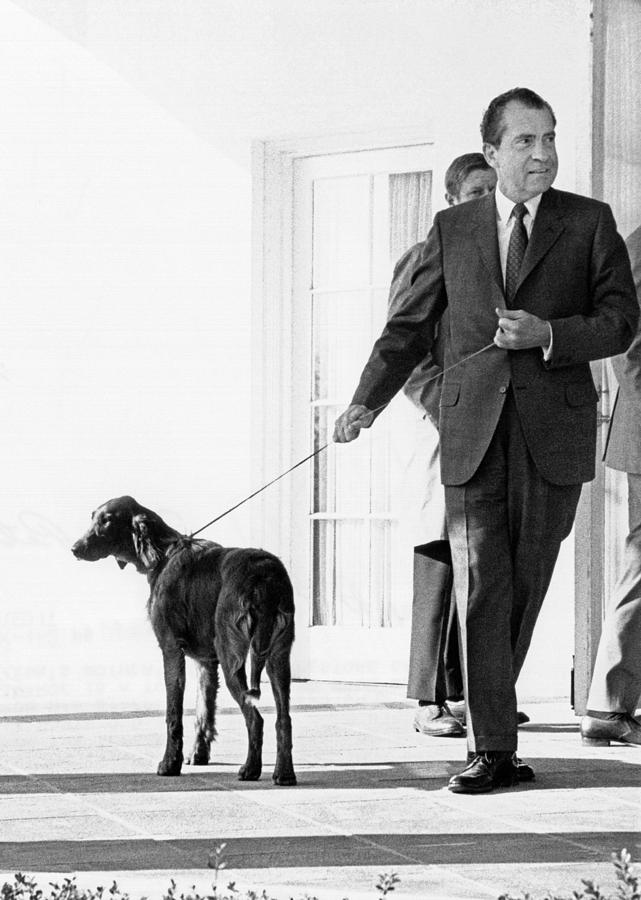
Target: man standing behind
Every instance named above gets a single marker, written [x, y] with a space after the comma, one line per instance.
[615, 691]
[542, 279]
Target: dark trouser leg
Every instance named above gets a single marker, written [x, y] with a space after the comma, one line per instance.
[431, 622]
[505, 527]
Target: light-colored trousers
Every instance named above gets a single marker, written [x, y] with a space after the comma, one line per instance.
[616, 680]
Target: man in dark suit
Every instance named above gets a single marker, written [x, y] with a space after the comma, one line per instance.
[615, 690]
[539, 281]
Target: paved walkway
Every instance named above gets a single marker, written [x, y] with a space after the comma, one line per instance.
[78, 794]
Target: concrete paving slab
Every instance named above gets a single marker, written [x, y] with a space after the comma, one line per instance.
[41, 832]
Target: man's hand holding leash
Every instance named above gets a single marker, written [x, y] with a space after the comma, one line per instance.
[520, 330]
[348, 425]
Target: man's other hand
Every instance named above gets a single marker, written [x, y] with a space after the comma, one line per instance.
[520, 330]
[349, 424]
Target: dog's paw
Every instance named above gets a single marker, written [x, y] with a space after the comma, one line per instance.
[169, 767]
[249, 773]
[199, 757]
[287, 779]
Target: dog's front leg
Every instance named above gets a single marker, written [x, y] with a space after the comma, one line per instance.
[174, 665]
[205, 711]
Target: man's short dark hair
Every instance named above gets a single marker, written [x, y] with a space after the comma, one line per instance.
[460, 168]
[492, 125]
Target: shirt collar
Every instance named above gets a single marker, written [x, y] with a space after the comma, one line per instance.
[504, 206]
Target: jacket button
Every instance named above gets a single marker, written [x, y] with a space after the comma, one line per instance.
[503, 389]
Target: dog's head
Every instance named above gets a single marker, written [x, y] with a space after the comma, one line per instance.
[124, 529]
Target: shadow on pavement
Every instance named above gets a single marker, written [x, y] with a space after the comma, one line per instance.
[316, 851]
[551, 773]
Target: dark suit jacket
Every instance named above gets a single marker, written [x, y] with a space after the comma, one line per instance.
[576, 274]
[623, 449]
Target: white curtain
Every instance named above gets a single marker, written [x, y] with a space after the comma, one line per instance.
[410, 196]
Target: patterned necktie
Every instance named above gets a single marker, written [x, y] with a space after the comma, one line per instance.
[515, 252]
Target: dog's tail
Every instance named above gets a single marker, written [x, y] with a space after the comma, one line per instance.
[271, 615]
[257, 664]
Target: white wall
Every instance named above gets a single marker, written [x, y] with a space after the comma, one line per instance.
[125, 232]
[124, 277]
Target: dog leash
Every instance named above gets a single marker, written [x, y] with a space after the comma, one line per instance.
[325, 446]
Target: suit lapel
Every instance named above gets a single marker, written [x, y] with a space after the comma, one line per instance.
[548, 225]
[486, 238]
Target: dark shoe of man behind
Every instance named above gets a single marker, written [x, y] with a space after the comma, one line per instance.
[436, 721]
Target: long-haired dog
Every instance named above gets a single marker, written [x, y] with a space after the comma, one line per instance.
[216, 605]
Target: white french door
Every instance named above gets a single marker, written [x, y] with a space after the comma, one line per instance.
[351, 559]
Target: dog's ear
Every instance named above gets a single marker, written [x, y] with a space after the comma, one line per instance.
[146, 550]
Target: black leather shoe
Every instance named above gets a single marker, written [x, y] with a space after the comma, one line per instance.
[524, 772]
[623, 728]
[488, 770]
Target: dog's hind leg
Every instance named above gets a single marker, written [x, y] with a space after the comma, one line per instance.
[236, 680]
[174, 666]
[279, 673]
[205, 712]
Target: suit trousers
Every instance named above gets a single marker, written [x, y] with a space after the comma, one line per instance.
[616, 680]
[434, 669]
[505, 527]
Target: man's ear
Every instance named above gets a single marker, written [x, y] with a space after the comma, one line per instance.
[450, 199]
[146, 550]
[489, 152]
